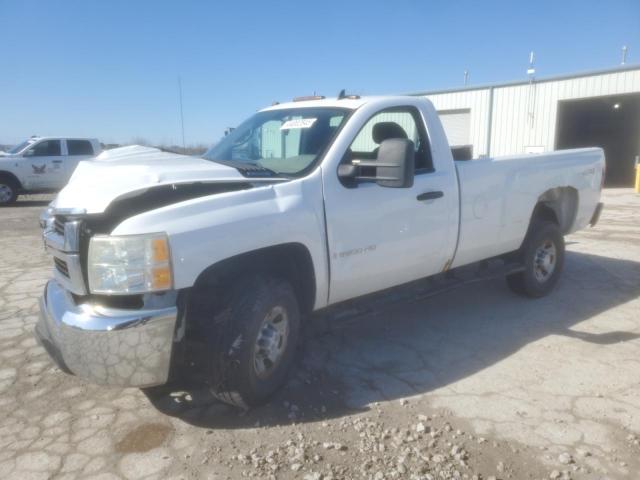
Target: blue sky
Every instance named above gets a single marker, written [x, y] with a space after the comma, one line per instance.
[109, 69]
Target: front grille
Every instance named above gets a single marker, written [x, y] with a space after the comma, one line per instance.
[64, 242]
[61, 266]
[58, 225]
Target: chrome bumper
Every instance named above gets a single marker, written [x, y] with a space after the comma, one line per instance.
[104, 345]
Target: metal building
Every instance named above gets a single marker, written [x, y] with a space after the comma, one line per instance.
[539, 115]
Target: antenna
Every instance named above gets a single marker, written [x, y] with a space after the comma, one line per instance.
[466, 78]
[181, 113]
[624, 55]
[343, 94]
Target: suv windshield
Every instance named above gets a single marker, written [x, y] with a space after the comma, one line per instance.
[285, 142]
[21, 146]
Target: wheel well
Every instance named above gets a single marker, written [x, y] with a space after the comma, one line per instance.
[289, 261]
[10, 176]
[559, 205]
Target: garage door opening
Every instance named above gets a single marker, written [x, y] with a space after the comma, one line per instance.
[611, 122]
[456, 124]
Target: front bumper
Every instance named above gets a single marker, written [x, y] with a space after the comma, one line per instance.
[107, 346]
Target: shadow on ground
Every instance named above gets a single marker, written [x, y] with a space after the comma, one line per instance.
[418, 344]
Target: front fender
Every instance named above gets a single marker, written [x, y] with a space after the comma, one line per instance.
[206, 230]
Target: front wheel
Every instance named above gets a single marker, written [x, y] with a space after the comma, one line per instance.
[8, 191]
[543, 257]
[253, 355]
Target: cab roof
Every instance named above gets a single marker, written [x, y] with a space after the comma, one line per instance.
[349, 103]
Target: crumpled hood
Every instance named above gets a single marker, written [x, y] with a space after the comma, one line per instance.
[114, 173]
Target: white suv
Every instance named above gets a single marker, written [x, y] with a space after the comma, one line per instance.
[42, 164]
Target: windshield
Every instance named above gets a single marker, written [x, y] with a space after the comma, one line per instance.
[18, 148]
[285, 142]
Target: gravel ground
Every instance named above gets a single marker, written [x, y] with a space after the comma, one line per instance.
[472, 383]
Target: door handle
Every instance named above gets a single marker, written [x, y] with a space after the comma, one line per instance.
[57, 161]
[430, 195]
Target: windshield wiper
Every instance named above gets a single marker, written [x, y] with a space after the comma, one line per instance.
[250, 170]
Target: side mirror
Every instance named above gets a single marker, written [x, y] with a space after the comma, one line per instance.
[28, 153]
[393, 168]
[396, 163]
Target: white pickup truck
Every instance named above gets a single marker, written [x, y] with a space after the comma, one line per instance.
[168, 266]
[42, 164]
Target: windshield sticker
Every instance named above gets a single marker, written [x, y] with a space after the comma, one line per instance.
[298, 123]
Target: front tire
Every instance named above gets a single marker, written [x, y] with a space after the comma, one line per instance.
[542, 254]
[8, 191]
[252, 357]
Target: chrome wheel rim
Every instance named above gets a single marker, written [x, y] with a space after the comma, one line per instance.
[271, 342]
[544, 262]
[6, 192]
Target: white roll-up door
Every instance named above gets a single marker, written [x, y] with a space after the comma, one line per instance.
[456, 125]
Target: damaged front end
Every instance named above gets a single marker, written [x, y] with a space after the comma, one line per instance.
[119, 339]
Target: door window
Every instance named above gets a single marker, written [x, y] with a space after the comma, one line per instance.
[46, 148]
[79, 147]
[403, 122]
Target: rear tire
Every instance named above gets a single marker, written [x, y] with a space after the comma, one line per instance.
[8, 191]
[252, 354]
[542, 254]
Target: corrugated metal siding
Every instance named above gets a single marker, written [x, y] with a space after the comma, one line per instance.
[525, 115]
[477, 101]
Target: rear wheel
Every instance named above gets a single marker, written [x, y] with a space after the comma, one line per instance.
[543, 257]
[252, 356]
[8, 191]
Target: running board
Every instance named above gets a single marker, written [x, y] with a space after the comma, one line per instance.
[416, 291]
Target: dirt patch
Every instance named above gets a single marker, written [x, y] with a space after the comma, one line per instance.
[144, 438]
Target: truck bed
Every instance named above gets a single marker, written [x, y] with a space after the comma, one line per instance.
[497, 197]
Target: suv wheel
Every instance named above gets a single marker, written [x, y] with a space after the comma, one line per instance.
[8, 191]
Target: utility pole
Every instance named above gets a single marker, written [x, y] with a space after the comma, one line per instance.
[184, 146]
[624, 55]
[466, 78]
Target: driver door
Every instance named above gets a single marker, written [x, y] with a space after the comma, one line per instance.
[44, 165]
[379, 237]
